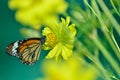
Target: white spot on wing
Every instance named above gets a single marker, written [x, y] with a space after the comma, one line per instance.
[15, 46]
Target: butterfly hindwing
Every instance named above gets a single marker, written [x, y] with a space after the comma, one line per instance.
[28, 51]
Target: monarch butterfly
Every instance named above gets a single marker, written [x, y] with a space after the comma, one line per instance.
[27, 50]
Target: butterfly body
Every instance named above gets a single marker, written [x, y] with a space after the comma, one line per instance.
[28, 50]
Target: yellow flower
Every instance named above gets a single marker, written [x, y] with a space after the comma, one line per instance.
[37, 12]
[74, 68]
[59, 38]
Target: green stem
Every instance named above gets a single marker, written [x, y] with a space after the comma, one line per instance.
[117, 47]
[106, 54]
[96, 11]
[113, 43]
[94, 59]
[110, 16]
[115, 7]
[107, 35]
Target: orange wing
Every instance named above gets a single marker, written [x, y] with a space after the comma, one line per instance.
[28, 51]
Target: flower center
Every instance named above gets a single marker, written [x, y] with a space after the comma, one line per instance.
[51, 40]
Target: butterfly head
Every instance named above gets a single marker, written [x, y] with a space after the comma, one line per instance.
[43, 39]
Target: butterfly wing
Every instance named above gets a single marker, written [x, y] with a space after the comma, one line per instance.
[28, 51]
[12, 49]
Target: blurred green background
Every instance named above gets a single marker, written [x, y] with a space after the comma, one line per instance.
[10, 67]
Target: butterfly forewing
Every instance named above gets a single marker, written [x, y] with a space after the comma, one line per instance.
[12, 49]
[9, 48]
[28, 50]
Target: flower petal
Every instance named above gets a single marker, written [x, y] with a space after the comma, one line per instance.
[63, 21]
[66, 52]
[72, 29]
[46, 31]
[67, 20]
[54, 51]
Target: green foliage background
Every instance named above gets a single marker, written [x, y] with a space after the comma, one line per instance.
[10, 67]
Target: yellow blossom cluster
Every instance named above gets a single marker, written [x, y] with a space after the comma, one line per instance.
[74, 68]
[34, 13]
